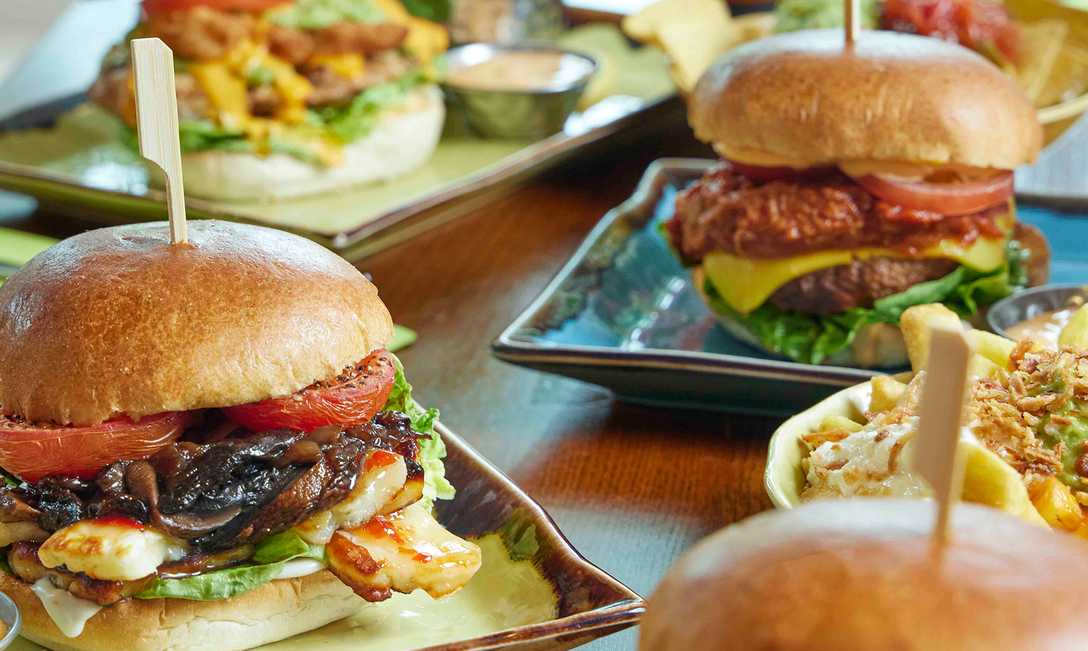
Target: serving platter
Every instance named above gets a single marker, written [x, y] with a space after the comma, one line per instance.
[534, 591]
[68, 156]
[623, 313]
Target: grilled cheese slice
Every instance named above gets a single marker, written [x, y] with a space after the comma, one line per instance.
[111, 549]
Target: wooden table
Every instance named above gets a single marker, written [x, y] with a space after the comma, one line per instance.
[632, 487]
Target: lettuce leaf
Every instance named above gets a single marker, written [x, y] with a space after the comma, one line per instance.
[811, 339]
[317, 14]
[431, 449]
[199, 135]
[358, 118]
[276, 551]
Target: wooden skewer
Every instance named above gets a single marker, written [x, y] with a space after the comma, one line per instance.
[936, 451]
[157, 124]
[851, 20]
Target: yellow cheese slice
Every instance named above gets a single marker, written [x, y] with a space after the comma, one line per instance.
[746, 283]
[226, 92]
[348, 66]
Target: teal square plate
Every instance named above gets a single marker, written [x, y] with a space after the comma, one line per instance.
[623, 313]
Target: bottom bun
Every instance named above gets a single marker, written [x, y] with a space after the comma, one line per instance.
[272, 612]
[877, 345]
[401, 141]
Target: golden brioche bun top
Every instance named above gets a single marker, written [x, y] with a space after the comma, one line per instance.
[805, 99]
[853, 575]
[118, 321]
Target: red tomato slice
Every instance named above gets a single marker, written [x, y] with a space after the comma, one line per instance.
[32, 452]
[162, 6]
[952, 198]
[353, 399]
[782, 173]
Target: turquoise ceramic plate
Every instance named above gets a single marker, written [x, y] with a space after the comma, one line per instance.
[623, 313]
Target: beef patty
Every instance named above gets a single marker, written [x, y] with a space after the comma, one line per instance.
[858, 284]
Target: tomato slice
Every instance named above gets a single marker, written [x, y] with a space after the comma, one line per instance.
[162, 6]
[779, 173]
[34, 451]
[952, 198]
[352, 399]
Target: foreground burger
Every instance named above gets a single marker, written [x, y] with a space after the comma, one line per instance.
[856, 183]
[285, 97]
[207, 445]
[863, 574]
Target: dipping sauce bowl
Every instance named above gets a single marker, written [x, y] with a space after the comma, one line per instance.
[1039, 312]
[513, 91]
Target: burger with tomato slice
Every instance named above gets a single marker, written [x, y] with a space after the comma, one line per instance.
[278, 98]
[857, 181]
[207, 445]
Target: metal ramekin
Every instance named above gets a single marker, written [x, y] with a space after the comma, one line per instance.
[515, 114]
[10, 615]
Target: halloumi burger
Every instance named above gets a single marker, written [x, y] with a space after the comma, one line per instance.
[206, 445]
[862, 574]
[857, 181]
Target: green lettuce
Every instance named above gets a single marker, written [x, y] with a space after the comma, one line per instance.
[794, 15]
[811, 339]
[317, 14]
[431, 449]
[358, 118]
[199, 135]
[268, 560]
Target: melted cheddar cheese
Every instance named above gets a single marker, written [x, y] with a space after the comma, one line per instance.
[746, 283]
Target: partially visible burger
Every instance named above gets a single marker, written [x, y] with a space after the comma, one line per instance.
[279, 98]
[864, 574]
[856, 182]
[207, 446]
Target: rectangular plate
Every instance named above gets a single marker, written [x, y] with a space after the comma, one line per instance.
[533, 592]
[623, 313]
[72, 159]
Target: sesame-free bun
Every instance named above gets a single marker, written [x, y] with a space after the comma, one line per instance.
[805, 99]
[118, 321]
[269, 613]
[402, 140]
[861, 574]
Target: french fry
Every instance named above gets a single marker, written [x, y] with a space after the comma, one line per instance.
[987, 479]
[1040, 46]
[692, 33]
[915, 323]
[993, 347]
[836, 422]
[1056, 503]
[981, 366]
[887, 392]
[1075, 333]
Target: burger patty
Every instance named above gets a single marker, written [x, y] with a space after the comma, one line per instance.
[858, 284]
[221, 493]
[726, 211]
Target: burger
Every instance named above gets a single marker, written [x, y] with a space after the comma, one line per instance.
[865, 574]
[207, 445]
[278, 98]
[856, 181]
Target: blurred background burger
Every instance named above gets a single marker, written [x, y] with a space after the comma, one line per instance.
[286, 97]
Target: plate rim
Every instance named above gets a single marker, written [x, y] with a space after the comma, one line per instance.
[510, 348]
[606, 619]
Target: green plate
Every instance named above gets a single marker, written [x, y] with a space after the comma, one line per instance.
[68, 155]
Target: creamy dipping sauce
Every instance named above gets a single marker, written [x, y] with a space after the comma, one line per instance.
[1044, 327]
[521, 70]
